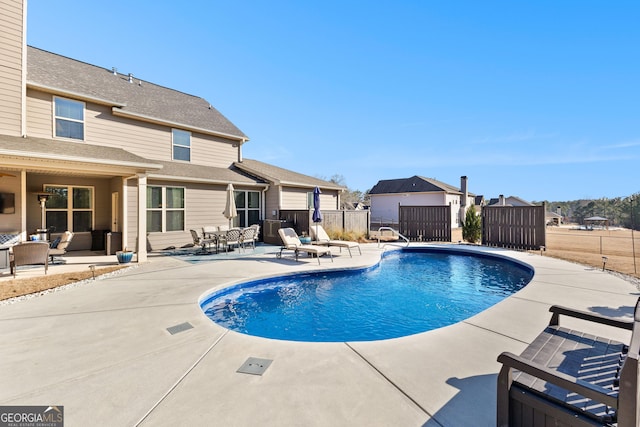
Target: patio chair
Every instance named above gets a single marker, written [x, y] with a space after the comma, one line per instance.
[322, 238]
[248, 237]
[232, 238]
[291, 241]
[30, 253]
[201, 241]
[61, 248]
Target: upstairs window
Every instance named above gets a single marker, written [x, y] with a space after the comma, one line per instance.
[181, 145]
[69, 118]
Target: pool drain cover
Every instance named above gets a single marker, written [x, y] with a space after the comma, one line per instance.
[254, 366]
[179, 328]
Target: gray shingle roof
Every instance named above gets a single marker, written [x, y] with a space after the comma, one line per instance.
[415, 184]
[277, 175]
[46, 69]
[189, 171]
[72, 151]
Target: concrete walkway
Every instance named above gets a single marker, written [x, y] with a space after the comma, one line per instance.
[102, 350]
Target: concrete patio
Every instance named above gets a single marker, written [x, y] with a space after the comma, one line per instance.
[103, 351]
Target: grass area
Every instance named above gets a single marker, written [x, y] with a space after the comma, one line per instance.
[30, 285]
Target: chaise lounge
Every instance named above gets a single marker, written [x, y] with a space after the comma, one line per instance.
[322, 238]
[291, 241]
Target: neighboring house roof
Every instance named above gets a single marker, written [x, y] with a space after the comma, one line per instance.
[509, 201]
[60, 151]
[141, 99]
[279, 176]
[415, 184]
[179, 171]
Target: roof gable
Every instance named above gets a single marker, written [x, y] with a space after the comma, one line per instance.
[415, 184]
[49, 71]
[281, 176]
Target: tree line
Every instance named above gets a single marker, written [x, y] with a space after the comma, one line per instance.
[620, 211]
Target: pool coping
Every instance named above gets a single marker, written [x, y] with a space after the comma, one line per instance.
[104, 352]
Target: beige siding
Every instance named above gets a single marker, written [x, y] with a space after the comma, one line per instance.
[11, 50]
[143, 139]
[296, 198]
[39, 114]
[271, 202]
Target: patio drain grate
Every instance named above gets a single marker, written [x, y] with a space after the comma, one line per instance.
[254, 366]
[180, 328]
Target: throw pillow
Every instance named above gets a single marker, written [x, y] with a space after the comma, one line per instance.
[54, 244]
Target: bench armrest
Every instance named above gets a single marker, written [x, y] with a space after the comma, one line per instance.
[560, 379]
[584, 315]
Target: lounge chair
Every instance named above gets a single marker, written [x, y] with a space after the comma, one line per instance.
[322, 238]
[61, 247]
[30, 253]
[291, 241]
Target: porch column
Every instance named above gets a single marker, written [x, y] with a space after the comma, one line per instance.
[142, 218]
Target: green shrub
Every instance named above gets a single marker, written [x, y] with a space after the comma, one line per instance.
[472, 226]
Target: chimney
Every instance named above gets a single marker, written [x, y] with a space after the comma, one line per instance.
[464, 190]
[130, 77]
[501, 201]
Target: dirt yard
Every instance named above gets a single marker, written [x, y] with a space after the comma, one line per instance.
[589, 247]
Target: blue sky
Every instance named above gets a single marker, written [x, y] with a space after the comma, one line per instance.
[535, 99]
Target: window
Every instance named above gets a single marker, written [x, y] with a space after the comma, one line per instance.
[69, 208]
[165, 209]
[181, 145]
[248, 206]
[69, 118]
[310, 200]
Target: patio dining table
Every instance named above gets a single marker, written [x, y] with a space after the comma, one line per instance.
[218, 237]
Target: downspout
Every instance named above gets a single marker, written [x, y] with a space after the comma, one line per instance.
[264, 202]
[242, 141]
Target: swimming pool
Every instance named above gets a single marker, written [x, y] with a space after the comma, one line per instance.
[410, 291]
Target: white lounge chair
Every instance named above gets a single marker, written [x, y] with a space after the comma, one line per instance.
[291, 241]
[322, 238]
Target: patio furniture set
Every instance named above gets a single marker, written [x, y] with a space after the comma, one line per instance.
[225, 238]
[15, 253]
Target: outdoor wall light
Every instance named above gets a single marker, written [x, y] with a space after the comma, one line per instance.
[43, 197]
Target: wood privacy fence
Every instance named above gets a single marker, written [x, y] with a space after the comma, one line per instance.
[425, 223]
[516, 227]
[335, 220]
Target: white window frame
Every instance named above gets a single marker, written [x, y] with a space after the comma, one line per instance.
[174, 144]
[164, 209]
[70, 209]
[56, 117]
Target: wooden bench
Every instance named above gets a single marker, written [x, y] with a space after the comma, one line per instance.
[571, 378]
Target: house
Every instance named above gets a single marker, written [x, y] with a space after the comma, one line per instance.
[88, 149]
[387, 195]
[508, 201]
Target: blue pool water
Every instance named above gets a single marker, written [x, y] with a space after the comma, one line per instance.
[409, 291]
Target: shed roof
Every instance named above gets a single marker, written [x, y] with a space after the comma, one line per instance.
[415, 184]
[59, 74]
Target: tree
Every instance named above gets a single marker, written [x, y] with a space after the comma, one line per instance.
[471, 226]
